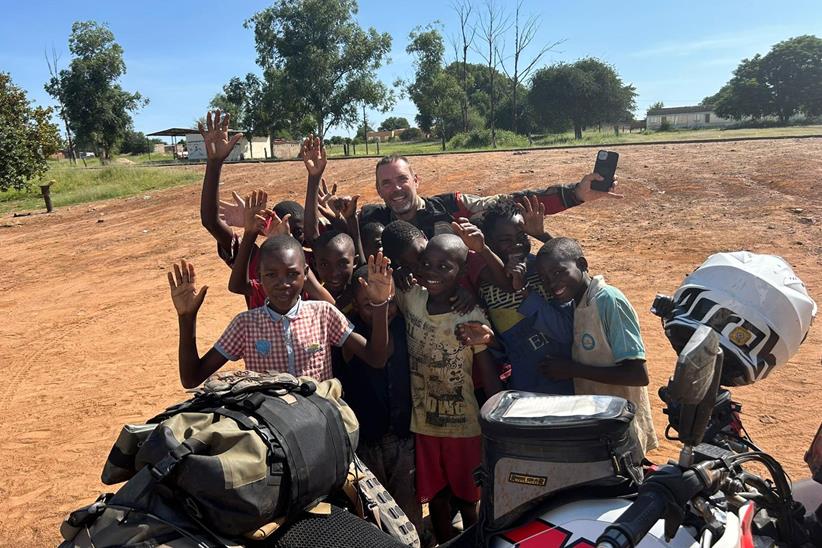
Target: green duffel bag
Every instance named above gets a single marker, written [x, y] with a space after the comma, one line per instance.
[246, 449]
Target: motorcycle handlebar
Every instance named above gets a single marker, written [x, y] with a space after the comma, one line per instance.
[663, 495]
[635, 522]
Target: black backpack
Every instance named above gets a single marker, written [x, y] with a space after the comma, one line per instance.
[246, 450]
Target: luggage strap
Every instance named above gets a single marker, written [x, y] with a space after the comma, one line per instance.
[164, 466]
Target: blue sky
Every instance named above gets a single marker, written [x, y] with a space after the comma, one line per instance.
[180, 53]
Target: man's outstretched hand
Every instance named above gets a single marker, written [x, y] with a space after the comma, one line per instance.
[585, 193]
[215, 136]
[187, 300]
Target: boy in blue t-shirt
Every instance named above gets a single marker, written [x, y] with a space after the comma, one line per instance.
[607, 354]
[527, 338]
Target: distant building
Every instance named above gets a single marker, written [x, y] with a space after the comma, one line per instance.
[384, 135]
[260, 148]
[702, 116]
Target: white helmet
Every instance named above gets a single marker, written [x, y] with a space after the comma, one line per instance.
[755, 302]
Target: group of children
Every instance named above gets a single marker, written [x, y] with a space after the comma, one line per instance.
[421, 307]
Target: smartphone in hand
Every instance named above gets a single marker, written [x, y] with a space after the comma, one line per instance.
[605, 165]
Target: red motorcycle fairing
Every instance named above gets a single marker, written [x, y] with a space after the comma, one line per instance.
[578, 524]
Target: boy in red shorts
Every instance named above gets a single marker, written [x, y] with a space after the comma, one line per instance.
[445, 413]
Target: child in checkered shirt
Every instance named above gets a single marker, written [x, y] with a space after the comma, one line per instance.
[287, 334]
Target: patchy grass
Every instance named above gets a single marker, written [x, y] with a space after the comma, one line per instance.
[76, 185]
[593, 138]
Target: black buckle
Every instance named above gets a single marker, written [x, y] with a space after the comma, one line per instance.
[164, 466]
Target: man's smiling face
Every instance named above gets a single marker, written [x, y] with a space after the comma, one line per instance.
[397, 186]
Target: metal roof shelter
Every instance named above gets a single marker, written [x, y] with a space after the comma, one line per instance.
[180, 132]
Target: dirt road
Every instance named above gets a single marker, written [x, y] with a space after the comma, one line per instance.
[88, 332]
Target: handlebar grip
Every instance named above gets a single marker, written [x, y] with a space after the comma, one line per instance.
[635, 521]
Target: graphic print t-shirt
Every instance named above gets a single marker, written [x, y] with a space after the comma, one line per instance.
[442, 392]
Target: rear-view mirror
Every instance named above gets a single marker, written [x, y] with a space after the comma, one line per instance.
[695, 367]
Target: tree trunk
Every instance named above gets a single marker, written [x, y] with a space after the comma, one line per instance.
[72, 157]
[46, 190]
[514, 107]
[442, 133]
[464, 98]
[577, 131]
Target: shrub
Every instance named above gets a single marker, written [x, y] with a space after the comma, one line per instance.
[665, 125]
[481, 138]
[412, 134]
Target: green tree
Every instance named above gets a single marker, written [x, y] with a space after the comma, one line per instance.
[135, 142]
[656, 106]
[244, 100]
[327, 63]
[746, 94]
[786, 81]
[98, 109]
[27, 137]
[582, 94]
[792, 71]
[435, 92]
[394, 122]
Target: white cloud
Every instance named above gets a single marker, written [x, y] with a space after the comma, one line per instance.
[749, 38]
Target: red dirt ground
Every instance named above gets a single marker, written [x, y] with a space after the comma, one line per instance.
[88, 339]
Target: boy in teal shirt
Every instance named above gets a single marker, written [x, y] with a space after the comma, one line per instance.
[608, 355]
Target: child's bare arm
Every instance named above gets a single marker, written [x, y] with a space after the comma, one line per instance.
[218, 147]
[348, 209]
[315, 160]
[624, 373]
[254, 224]
[475, 241]
[488, 372]
[187, 301]
[379, 288]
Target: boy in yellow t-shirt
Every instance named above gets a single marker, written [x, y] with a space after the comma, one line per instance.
[445, 413]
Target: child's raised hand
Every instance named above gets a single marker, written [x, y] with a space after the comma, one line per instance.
[276, 226]
[254, 208]
[232, 212]
[474, 333]
[533, 213]
[323, 197]
[313, 154]
[470, 233]
[517, 271]
[404, 279]
[345, 206]
[380, 285]
[187, 300]
[215, 136]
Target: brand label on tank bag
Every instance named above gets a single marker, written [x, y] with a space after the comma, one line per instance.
[527, 479]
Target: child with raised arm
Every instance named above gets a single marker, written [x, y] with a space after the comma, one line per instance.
[287, 334]
[607, 353]
[245, 275]
[445, 413]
